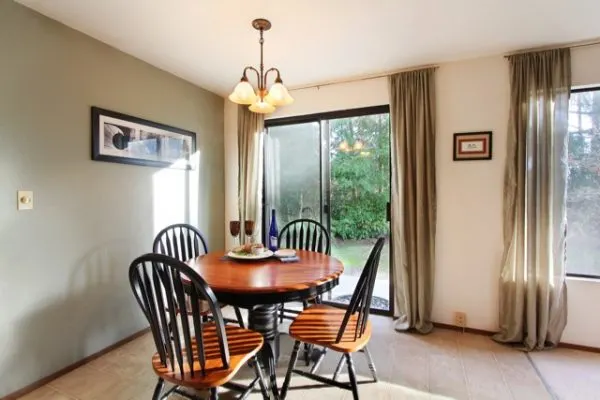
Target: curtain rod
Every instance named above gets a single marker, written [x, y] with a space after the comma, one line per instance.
[573, 45]
[361, 78]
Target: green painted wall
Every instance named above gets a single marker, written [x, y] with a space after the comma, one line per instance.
[64, 291]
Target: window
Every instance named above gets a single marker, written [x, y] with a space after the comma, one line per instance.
[583, 190]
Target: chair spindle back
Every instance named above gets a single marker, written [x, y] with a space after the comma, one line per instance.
[160, 289]
[180, 241]
[363, 293]
[305, 234]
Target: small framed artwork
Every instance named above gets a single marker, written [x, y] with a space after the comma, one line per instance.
[472, 146]
[125, 139]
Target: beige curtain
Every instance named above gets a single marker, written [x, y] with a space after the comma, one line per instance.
[250, 136]
[533, 298]
[412, 115]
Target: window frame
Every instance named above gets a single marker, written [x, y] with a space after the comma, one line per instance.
[579, 89]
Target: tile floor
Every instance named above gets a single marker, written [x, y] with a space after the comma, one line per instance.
[442, 365]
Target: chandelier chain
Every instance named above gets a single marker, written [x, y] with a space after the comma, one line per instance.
[261, 82]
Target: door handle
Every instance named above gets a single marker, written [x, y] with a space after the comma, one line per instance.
[388, 211]
[326, 208]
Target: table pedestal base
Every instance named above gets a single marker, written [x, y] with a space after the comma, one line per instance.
[263, 319]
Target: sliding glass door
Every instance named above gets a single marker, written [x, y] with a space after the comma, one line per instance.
[293, 173]
[335, 168]
[359, 164]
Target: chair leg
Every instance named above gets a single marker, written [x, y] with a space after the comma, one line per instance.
[371, 363]
[261, 379]
[319, 360]
[308, 348]
[352, 376]
[307, 353]
[291, 366]
[238, 315]
[338, 368]
[158, 389]
[213, 394]
[281, 313]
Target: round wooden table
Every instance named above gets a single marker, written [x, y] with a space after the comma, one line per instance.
[261, 285]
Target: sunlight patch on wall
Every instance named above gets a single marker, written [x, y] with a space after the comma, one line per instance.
[175, 195]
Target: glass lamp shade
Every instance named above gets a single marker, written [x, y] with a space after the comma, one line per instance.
[262, 107]
[243, 93]
[278, 95]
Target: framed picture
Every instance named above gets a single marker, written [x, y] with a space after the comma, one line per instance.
[125, 139]
[472, 146]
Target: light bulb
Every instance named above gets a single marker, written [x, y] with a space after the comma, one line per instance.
[262, 107]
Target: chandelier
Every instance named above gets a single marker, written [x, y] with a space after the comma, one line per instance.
[261, 100]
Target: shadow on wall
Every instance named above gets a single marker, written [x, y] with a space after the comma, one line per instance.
[98, 295]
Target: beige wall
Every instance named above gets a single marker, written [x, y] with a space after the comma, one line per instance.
[64, 291]
[231, 169]
[472, 95]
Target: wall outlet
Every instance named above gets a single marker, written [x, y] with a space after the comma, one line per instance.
[460, 319]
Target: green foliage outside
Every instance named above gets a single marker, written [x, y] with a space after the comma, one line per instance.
[360, 176]
[583, 192]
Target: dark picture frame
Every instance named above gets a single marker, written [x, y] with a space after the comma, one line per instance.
[472, 146]
[125, 139]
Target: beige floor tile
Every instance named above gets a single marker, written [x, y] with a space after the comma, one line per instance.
[411, 371]
[483, 375]
[447, 376]
[443, 365]
[46, 393]
[570, 374]
[520, 376]
[88, 383]
[401, 392]
[126, 365]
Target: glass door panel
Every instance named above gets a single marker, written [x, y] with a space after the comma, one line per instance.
[335, 171]
[359, 165]
[293, 173]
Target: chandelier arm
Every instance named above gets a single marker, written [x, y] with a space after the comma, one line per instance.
[255, 71]
[277, 79]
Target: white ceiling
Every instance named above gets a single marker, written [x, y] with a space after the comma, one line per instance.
[209, 42]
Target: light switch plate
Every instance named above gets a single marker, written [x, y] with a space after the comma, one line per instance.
[24, 200]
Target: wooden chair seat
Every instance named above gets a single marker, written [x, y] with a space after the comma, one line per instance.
[320, 324]
[345, 331]
[243, 345]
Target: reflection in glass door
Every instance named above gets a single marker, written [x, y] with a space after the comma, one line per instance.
[293, 172]
[336, 171]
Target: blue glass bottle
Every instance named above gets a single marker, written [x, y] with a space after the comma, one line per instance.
[273, 232]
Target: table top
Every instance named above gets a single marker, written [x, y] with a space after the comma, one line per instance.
[268, 275]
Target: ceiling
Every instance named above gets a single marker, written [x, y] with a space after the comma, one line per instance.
[209, 42]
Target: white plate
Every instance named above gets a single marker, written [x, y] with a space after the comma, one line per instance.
[264, 254]
[285, 253]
